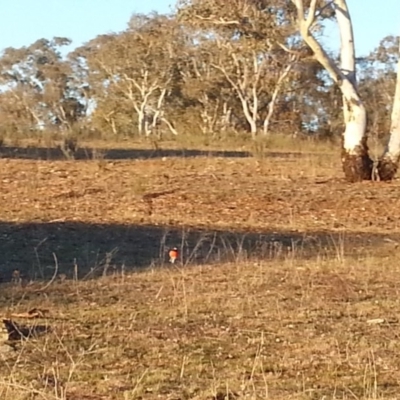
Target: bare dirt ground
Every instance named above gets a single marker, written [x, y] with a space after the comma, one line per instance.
[286, 287]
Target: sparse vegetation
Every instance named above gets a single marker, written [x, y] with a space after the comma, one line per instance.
[285, 288]
[212, 132]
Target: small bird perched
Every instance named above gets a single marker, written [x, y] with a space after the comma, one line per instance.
[173, 255]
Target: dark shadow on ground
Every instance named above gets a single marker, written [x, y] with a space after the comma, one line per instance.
[93, 250]
[42, 153]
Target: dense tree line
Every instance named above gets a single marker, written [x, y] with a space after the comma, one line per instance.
[208, 70]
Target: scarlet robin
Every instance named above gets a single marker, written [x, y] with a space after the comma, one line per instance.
[173, 255]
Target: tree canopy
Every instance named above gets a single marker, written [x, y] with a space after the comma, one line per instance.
[207, 68]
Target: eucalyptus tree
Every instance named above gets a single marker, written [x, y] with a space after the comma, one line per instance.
[389, 162]
[209, 95]
[256, 50]
[134, 72]
[41, 83]
[357, 164]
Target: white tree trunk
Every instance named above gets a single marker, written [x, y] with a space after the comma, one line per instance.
[207, 125]
[170, 126]
[249, 117]
[355, 116]
[347, 50]
[111, 121]
[355, 159]
[226, 117]
[113, 127]
[388, 164]
[393, 147]
[246, 86]
[141, 121]
[355, 119]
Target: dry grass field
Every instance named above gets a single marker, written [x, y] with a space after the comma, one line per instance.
[286, 286]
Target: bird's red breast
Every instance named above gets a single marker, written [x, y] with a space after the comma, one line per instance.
[173, 254]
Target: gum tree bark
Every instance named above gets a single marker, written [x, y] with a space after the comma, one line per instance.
[357, 165]
[389, 162]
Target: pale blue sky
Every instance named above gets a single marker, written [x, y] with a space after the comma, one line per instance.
[24, 21]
